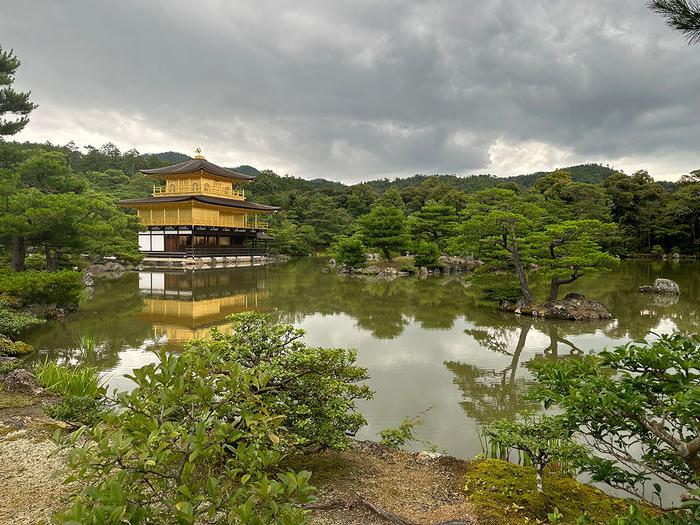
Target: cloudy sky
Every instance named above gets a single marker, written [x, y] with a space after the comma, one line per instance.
[365, 88]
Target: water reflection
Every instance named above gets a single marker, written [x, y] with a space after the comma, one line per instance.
[425, 342]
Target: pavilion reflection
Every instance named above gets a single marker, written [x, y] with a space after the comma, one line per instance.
[186, 305]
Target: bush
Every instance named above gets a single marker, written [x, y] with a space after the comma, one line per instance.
[426, 254]
[13, 323]
[10, 348]
[199, 440]
[408, 268]
[80, 389]
[657, 251]
[399, 436]
[315, 388]
[63, 288]
[349, 251]
[640, 396]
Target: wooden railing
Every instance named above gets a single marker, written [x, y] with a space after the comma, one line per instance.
[196, 189]
[223, 251]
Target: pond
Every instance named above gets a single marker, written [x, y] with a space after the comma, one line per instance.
[428, 344]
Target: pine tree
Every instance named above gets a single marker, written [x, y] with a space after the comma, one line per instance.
[12, 102]
[683, 15]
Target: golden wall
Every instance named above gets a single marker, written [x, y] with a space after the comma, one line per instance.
[197, 214]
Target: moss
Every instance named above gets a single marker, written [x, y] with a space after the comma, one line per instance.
[11, 348]
[503, 493]
[11, 400]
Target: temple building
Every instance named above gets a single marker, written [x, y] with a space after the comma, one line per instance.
[198, 209]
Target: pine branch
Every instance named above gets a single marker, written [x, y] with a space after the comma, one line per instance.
[683, 15]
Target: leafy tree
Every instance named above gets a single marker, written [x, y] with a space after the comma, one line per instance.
[426, 254]
[434, 221]
[544, 439]
[683, 15]
[12, 102]
[567, 250]
[641, 397]
[384, 227]
[497, 221]
[349, 251]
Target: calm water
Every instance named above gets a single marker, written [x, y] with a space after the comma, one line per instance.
[426, 343]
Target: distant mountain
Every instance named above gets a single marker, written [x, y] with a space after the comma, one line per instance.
[247, 170]
[172, 156]
[590, 173]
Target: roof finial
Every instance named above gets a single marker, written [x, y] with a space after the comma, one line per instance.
[199, 155]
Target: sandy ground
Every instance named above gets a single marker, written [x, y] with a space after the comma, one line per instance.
[354, 487]
[30, 476]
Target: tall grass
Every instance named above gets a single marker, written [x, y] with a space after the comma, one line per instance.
[70, 381]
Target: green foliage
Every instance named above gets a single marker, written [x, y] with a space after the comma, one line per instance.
[543, 439]
[682, 15]
[501, 493]
[198, 440]
[399, 436]
[657, 251]
[80, 389]
[426, 254]
[434, 221]
[384, 228]
[349, 251]
[408, 268]
[291, 239]
[12, 103]
[639, 396]
[63, 288]
[13, 322]
[10, 348]
[315, 388]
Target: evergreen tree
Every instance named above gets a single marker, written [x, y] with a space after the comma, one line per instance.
[683, 15]
[12, 103]
[384, 228]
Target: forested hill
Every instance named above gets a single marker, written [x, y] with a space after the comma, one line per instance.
[315, 212]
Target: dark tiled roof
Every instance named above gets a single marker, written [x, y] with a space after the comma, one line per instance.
[192, 165]
[231, 203]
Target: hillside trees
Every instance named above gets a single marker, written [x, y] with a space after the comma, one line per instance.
[384, 228]
[47, 207]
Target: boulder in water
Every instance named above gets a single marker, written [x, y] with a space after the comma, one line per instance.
[666, 286]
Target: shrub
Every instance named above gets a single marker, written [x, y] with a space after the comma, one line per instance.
[13, 323]
[640, 396]
[349, 251]
[62, 288]
[408, 268]
[197, 441]
[426, 254]
[10, 348]
[80, 389]
[399, 436]
[657, 251]
[35, 261]
[543, 439]
[315, 388]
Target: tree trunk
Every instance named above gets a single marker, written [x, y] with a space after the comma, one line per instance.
[515, 251]
[51, 258]
[19, 253]
[556, 283]
[387, 253]
[540, 476]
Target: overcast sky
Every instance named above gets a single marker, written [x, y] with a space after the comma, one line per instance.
[366, 88]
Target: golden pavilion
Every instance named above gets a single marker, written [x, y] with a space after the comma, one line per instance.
[199, 209]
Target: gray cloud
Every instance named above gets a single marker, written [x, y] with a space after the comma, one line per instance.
[355, 90]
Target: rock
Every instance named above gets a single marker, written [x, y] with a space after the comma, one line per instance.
[665, 299]
[456, 264]
[369, 270]
[88, 279]
[325, 270]
[666, 286]
[423, 270]
[21, 381]
[573, 306]
[676, 256]
[343, 268]
[388, 273]
[425, 456]
[332, 262]
[646, 289]
[372, 257]
[403, 274]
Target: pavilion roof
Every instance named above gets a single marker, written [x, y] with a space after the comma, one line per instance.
[196, 164]
[231, 203]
